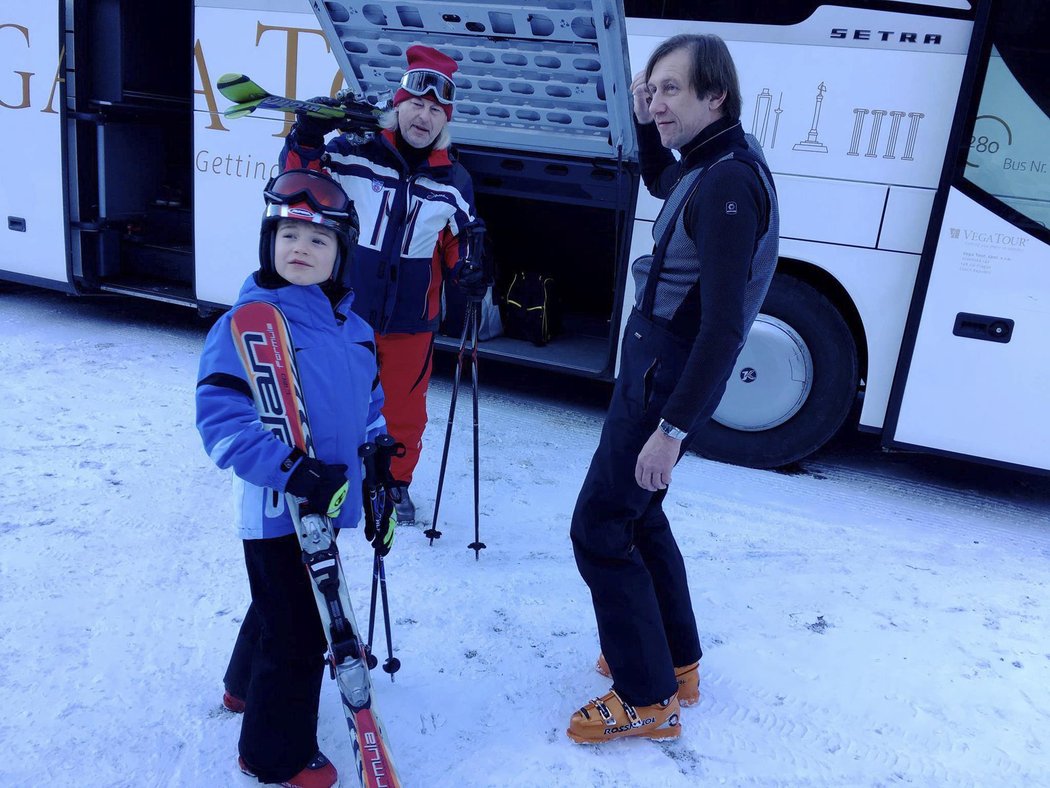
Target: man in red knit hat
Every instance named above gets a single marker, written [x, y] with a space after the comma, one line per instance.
[429, 71]
[413, 200]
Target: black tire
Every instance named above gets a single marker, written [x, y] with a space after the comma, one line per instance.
[835, 379]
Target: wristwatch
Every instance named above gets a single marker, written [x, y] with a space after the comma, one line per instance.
[672, 431]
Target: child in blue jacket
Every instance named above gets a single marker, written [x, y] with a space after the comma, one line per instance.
[308, 233]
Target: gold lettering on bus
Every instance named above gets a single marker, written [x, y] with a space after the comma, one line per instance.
[208, 93]
[337, 84]
[54, 84]
[291, 60]
[24, 74]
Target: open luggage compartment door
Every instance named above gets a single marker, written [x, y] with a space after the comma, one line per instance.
[538, 75]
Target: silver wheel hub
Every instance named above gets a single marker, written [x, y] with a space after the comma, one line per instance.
[770, 380]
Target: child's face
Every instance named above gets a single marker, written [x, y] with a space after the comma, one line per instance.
[304, 252]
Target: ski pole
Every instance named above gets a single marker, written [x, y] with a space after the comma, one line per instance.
[376, 457]
[372, 659]
[477, 545]
[367, 453]
[392, 664]
[387, 448]
[474, 257]
[433, 531]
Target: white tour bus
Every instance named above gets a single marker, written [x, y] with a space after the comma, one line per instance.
[910, 144]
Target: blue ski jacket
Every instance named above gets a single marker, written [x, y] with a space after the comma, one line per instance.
[335, 354]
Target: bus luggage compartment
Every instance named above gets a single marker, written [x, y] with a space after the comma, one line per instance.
[564, 218]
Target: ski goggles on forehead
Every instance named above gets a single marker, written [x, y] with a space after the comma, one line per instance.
[320, 193]
[304, 213]
[420, 81]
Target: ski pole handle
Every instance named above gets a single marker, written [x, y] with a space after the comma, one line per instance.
[367, 452]
[378, 529]
[386, 449]
[475, 243]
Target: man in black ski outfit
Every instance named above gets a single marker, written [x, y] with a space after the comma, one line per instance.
[696, 297]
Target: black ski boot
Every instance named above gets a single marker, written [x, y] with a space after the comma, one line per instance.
[406, 510]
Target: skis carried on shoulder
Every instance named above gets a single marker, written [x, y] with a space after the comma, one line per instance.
[247, 96]
[263, 341]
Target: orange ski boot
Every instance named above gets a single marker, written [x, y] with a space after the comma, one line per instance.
[688, 680]
[610, 717]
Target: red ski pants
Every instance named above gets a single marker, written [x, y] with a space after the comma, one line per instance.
[405, 363]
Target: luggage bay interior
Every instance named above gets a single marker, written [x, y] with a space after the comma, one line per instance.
[566, 219]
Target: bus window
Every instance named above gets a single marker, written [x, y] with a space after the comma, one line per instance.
[764, 12]
[769, 13]
[1008, 155]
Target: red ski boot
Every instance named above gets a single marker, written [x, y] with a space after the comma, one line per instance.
[232, 703]
[319, 773]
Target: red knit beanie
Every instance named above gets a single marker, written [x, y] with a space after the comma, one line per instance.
[421, 57]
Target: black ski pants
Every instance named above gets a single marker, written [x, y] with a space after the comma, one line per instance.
[278, 661]
[621, 538]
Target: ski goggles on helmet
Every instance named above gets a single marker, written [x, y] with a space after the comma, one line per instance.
[303, 212]
[320, 192]
[420, 81]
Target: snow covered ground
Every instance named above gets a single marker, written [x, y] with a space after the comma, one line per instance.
[868, 620]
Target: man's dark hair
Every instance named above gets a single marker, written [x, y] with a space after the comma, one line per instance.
[713, 72]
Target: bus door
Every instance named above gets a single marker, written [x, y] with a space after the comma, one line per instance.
[975, 363]
[32, 229]
[128, 149]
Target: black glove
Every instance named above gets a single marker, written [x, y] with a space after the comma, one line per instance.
[323, 486]
[472, 275]
[472, 281]
[310, 130]
[381, 535]
[377, 457]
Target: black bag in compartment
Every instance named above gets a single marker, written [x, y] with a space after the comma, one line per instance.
[530, 308]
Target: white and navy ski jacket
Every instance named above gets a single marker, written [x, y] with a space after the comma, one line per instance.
[410, 223]
[335, 354]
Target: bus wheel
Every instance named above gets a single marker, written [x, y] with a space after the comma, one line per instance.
[792, 386]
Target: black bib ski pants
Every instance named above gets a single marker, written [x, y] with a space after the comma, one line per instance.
[278, 661]
[621, 538]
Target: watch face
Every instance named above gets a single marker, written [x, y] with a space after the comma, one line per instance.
[671, 431]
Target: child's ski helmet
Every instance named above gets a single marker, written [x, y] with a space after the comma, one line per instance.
[309, 196]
